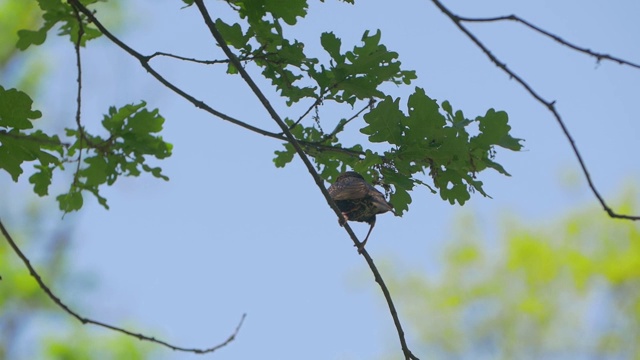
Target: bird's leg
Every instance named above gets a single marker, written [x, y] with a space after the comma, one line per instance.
[343, 220]
[361, 247]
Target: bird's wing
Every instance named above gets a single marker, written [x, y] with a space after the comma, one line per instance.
[351, 189]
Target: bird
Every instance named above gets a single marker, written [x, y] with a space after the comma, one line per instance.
[358, 200]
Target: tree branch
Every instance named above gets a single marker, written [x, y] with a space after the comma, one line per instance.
[199, 61]
[318, 180]
[598, 56]
[315, 104]
[550, 105]
[85, 320]
[144, 62]
[81, 133]
[341, 126]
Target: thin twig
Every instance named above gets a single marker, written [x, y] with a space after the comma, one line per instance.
[78, 96]
[206, 62]
[341, 126]
[597, 55]
[85, 320]
[316, 177]
[315, 104]
[550, 105]
[144, 62]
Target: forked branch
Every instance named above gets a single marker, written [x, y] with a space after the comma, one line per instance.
[550, 105]
[316, 177]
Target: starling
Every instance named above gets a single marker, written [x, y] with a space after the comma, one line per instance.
[358, 200]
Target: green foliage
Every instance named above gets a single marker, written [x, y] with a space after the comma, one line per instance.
[24, 307]
[14, 15]
[57, 11]
[17, 145]
[426, 143]
[131, 139]
[357, 75]
[542, 295]
[78, 345]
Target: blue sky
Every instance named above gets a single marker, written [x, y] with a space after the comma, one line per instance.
[231, 234]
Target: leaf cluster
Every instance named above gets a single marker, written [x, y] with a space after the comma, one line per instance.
[430, 139]
[427, 143]
[132, 138]
[58, 12]
[132, 129]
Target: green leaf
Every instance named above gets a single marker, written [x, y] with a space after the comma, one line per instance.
[400, 199]
[41, 180]
[287, 10]
[145, 122]
[232, 34]
[96, 173]
[155, 171]
[360, 87]
[496, 166]
[15, 110]
[17, 147]
[56, 11]
[331, 44]
[446, 106]
[27, 38]
[385, 122]
[424, 121]
[71, 201]
[115, 120]
[493, 127]
[10, 163]
[452, 188]
[284, 157]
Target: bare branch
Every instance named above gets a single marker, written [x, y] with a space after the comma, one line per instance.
[205, 62]
[198, 61]
[341, 126]
[82, 136]
[144, 62]
[597, 55]
[550, 105]
[85, 320]
[314, 105]
[318, 180]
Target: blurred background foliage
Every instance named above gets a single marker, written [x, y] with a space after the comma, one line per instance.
[31, 325]
[569, 289]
